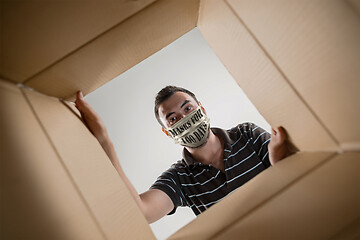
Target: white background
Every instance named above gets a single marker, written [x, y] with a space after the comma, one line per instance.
[126, 105]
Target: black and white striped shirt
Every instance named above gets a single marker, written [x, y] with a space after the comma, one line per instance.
[199, 186]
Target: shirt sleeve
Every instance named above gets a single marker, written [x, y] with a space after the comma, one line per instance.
[260, 140]
[169, 183]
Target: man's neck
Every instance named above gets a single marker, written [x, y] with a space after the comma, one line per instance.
[211, 153]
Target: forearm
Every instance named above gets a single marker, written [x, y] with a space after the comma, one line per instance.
[97, 127]
[153, 203]
[109, 149]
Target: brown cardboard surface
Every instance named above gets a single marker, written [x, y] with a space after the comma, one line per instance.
[352, 231]
[316, 45]
[297, 62]
[261, 79]
[355, 5]
[36, 34]
[119, 49]
[252, 195]
[91, 170]
[38, 197]
[318, 206]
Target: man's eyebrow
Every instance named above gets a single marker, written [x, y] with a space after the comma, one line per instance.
[168, 115]
[183, 104]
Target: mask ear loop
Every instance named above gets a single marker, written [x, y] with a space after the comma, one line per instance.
[166, 132]
[202, 107]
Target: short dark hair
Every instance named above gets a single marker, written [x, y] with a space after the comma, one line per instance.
[165, 94]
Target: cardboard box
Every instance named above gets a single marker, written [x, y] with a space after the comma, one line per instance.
[56, 181]
[298, 62]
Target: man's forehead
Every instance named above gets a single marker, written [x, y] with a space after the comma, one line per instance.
[174, 102]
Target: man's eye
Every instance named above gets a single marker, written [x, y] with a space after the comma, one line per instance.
[173, 119]
[188, 108]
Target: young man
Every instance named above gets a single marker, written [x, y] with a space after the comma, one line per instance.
[215, 161]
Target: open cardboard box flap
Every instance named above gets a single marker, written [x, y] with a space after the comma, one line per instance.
[96, 52]
[58, 181]
[305, 197]
[298, 62]
[36, 36]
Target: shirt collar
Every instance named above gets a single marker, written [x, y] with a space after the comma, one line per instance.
[228, 137]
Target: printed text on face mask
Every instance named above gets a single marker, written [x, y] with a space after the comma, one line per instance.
[185, 126]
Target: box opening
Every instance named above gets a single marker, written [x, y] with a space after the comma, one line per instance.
[126, 105]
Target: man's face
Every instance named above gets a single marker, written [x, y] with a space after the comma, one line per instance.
[175, 108]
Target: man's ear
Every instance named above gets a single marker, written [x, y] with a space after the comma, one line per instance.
[202, 108]
[166, 132]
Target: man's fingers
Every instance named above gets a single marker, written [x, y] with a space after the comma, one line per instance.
[279, 133]
[86, 111]
[79, 96]
[80, 102]
[280, 130]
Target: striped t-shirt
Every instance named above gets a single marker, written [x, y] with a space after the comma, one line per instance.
[199, 186]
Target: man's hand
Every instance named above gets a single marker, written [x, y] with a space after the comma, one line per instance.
[91, 118]
[278, 147]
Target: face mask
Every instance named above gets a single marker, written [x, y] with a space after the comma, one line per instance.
[192, 130]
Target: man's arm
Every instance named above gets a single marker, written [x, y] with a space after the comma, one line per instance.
[153, 203]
